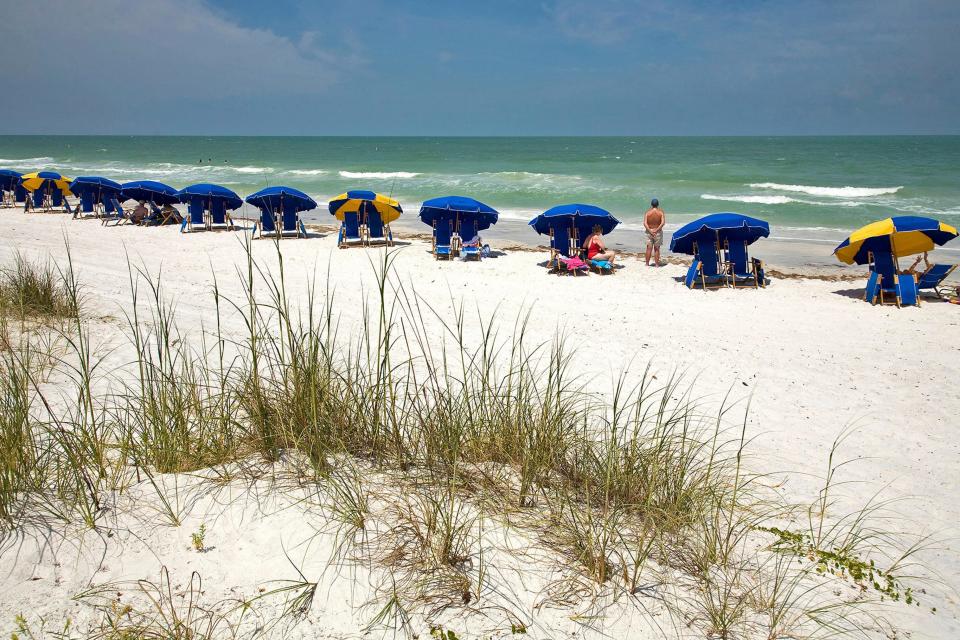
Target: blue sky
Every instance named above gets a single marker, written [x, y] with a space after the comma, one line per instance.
[496, 67]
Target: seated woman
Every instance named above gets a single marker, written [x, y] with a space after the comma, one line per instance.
[595, 248]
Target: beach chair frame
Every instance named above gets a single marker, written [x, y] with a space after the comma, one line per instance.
[754, 267]
[435, 247]
[362, 237]
[697, 273]
[369, 239]
[937, 285]
[883, 286]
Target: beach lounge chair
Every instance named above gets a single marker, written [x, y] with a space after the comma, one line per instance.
[560, 244]
[705, 267]
[739, 267]
[572, 265]
[442, 238]
[57, 199]
[219, 218]
[195, 218]
[38, 200]
[882, 263]
[893, 287]
[290, 220]
[350, 232]
[933, 277]
[267, 223]
[377, 230]
[116, 214]
[466, 232]
[87, 202]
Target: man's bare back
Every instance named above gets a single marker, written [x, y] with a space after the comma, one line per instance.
[653, 221]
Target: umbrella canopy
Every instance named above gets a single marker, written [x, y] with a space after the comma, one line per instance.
[460, 207]
[44, 180]
[582, 216]
[94, 184]
[718, 226]
[360, 200]
[272, 199]
[899, 235]
[211, 192]
[9, 179]
[157, 192]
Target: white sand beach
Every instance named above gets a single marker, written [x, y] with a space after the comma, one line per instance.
[806, 355]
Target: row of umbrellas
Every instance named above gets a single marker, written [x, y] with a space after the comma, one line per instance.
[898, 235]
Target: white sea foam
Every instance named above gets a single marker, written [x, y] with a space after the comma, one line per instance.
[42, 160]
[750, 199]
[777, 199]
[831, 192]
[377, 175]
[308, 172]
[252, 169]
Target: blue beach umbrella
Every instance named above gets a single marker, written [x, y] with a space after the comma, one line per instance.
[461, 208]
[211, 192]
[9, 179]
[720, 227]
[156, 192]
[899, 235]
[582, 216]
[94, 184]
[273, 198]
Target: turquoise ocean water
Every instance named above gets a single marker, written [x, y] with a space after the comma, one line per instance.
[807, 187]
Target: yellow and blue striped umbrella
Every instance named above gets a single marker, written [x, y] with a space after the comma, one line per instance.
[899, 235]
[357, 200]
[41, 179]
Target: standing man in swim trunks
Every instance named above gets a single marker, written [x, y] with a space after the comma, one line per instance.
[653, 221]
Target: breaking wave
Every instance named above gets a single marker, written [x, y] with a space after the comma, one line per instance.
[378, 175]
[750, 199]
[831, 192]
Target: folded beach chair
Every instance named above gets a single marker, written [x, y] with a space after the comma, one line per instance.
[872, 290]
[442, 238]
[739, 267]
[467, 230]
[219, 217]
[705, 268]
[932, 278]
[290, 220]
[195, 218]
[377, 230]
[351, 235]
[87, 202]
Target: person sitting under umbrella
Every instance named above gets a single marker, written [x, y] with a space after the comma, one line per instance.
[595, 248]
[139, 214]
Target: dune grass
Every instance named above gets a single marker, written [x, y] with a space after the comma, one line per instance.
[643, 488]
